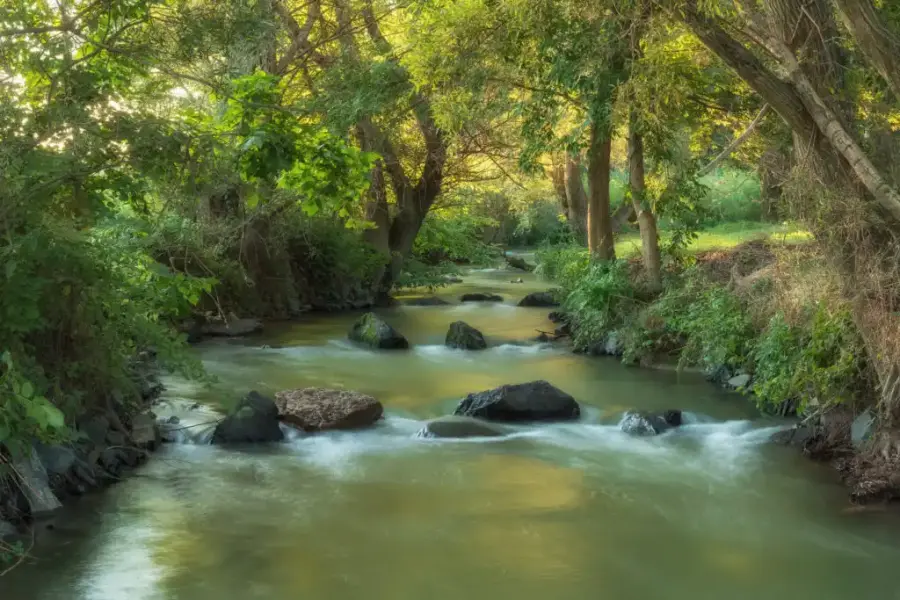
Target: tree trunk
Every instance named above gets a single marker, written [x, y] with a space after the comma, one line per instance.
[577, 199]
[880, 45]
[558, 178]
[646, 219]
[599, 221]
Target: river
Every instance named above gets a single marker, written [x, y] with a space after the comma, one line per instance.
[571, 511]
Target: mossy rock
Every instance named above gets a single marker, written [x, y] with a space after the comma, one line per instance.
[463, 336]
[374, 332]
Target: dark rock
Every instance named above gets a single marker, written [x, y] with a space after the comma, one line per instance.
[557, 316]
[479, 297]
[57, 460]
[317, 409]
[116, 438]
[83, 472]
[544, 299]
[465, 337]
[797, 436]
[373, 331]
[650, 423]
[254, 420]
[533, 401]
[194, 406]
[233, 328]
[543, 338]
[112, 460]
[144, 432]
[459, 427]
[426, 301]
[517, 262]
[453, 279]
[173, 420]
[562, 331]
[517, 280]
[718, 374]
[95, 428]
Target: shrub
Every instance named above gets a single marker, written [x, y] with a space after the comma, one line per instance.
[453, 236]
[814, 364]
[600, 301]
[539, 222]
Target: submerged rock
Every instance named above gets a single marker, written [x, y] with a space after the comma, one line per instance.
[426, 301]
[479, 297]
[459, 427]
[465, 337]
[797, 436]
[650, 423]
[533, 401]
[539, 299]
[255, 419]
[517, 280]
[374, 332]
[233, 328]
[557, 316]
[452, 279]
[319, 409]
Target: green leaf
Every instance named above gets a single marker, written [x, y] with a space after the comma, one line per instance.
[27, 389]
[53, 416]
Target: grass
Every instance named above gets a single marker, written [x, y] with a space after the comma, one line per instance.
[724, 236]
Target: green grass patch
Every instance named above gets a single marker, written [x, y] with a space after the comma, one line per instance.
[722, 237]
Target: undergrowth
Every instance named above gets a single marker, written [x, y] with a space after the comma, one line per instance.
[811, 361]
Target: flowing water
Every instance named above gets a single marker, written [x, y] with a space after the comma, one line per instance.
[571, 511]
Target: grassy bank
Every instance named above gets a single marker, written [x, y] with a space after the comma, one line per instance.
[765, 315]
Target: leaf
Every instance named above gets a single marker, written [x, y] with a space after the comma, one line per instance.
[27, 389]
[53, 416]
[10, 269]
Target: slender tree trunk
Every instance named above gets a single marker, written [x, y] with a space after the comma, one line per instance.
[577, 199]
[558, 178]
[599, 221]
[645, 217]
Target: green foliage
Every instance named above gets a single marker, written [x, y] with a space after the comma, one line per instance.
[540, 222]
[566, 265]
[600, 301]
[814, 364]
[24, 413]
[454, 236]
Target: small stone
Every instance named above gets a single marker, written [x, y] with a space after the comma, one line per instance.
[459, 427]
[650, 423]
[739, 382]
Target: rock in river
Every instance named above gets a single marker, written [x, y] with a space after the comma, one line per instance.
[374, 332]
[255, 419]
[533, 401]
[539, 299]
[426, 301]
[478, 297]
[459, 427]
[650, 423]
[319, 409]
[233, 328]
[465, 337]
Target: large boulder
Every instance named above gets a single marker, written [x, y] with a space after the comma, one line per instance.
[479, 297]
[318, 409]
[373, 331]
[255, 419]
[542, 299]
[233, 328]
[533, 401]
[459, 427]
[35, 483]
[650, 423]
[465, 337]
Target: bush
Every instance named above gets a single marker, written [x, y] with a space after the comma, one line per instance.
[564, 264]
[601, 300]
[454, 236]
[538, 223]
[815, 364]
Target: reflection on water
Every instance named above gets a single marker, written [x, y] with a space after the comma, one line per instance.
[563, 511]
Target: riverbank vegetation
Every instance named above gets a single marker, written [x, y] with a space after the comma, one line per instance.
[168, 161]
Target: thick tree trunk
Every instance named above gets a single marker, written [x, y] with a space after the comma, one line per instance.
[880, 45]
[646, 219]
[577, 199]
[599, 221]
